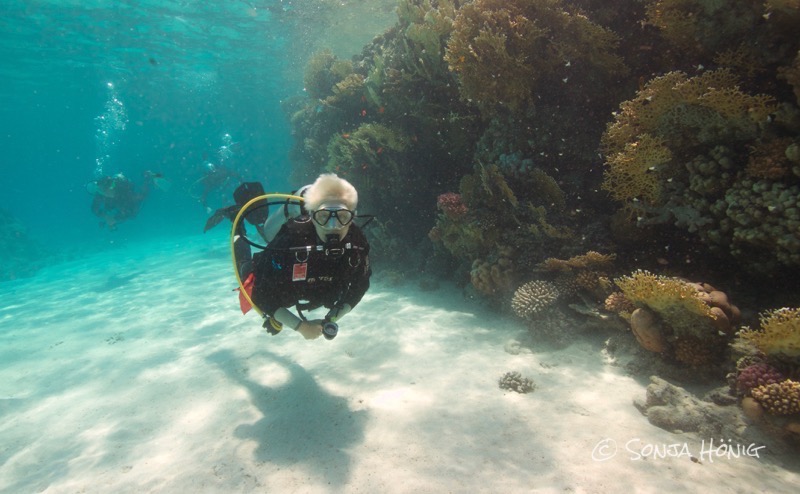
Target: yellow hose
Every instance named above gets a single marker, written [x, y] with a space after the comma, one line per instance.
[233, 239]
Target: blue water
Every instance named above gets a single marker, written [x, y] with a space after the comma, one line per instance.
[180, 74]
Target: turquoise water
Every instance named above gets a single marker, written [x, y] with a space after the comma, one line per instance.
[125, 363]
[165, 80]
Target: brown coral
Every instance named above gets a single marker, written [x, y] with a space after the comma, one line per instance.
[672, 113]
[694, 351]
[618, 303]
[779, 398]
[647, 330]
[591, 259]
[493, 277]
[502, 50]
[768, 159]
[663, 294]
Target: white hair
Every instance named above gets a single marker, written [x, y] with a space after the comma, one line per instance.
[328, 188]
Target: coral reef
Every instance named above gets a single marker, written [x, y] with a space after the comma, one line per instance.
[779, 334]
[692, 320]
[702, 155]
[675, 409]
[451, 205]
[494, 277]
[619, 304]
[504, 51]
[533, 297]
[781, 398]
[755, 375]
[514, 381]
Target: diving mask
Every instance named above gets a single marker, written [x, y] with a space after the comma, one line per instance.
[323, 217]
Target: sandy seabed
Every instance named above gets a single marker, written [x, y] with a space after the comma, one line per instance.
[133, 371]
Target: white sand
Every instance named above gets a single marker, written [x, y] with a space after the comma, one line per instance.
[151, 381]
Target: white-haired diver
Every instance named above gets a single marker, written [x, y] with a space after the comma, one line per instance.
[316, 256]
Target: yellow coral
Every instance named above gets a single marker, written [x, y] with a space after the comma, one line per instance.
[661, 293]
[779, 333]
[631, 173]
[639, 144]
[677, 303]
[591, 259]
[781, 398]
[501, 50]
[664, 99]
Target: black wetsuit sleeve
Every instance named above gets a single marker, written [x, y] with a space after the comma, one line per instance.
[360, 283]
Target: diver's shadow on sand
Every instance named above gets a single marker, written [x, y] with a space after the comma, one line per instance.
[301, 424]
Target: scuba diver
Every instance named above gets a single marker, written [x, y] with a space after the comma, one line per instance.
[116, 198]
[215, 178]
[316, 256]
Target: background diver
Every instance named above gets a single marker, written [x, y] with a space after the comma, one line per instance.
[116, 198]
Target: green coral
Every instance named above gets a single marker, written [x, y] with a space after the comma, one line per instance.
[369, 156]
[504, 50]
[323, 71]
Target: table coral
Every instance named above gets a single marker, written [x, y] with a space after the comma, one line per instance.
[779, 334]
[694, 320]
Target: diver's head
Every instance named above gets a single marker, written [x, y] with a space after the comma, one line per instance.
[331, 201]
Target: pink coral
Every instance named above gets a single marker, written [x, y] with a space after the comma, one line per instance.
[757, 375]
[451, 205]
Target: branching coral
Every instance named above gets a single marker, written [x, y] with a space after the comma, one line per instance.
[533, 297]
[632, 174]
[665, 295]
[502, 50]
[693, 320]
[590, 260]
[670, 115]
[781, 398]
[779, 333]
[755, 375]
[323, 71]
[704, 26]
[514, 381]
[693, 107]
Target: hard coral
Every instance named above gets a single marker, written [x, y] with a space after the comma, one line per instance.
[781, 398]
[694, 351]
[756, 375]
[513, 381]
[451, 205]
[633, 173]
[704, 26]
[663, 294]
[618, 303]
[495, 277]
[692, 319]
[533, 297]
[677, 108]
[779, 334]
[502, 50]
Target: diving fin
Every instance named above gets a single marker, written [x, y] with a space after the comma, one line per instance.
[219, 215]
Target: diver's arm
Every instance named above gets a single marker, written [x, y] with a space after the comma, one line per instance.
[338, 312]
[287, 318]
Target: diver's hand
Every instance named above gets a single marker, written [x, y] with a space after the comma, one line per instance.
[310, 330]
